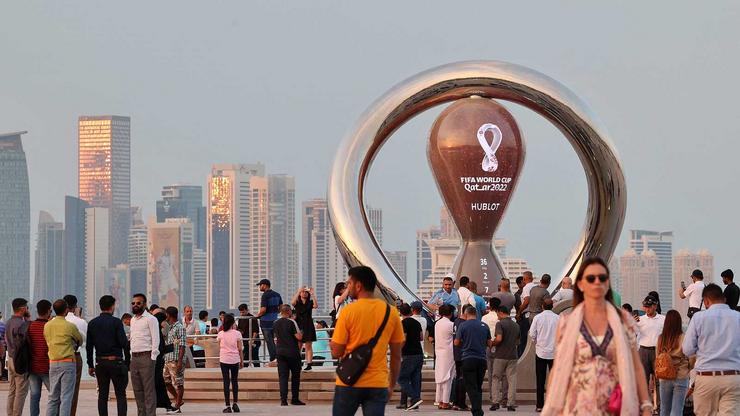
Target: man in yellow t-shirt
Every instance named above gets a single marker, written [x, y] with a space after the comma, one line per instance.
[356, 325]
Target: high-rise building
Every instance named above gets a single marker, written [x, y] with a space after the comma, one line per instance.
[104, 163]
[15, 221]
[49, 276]
[138, 252]
[322, 265]
[97, 255]
[199, 280]
[661, 242]
[184, 201]
[170, 262]
[685, 262]
[424, 253]
[639, 275]
[283, 248]
[397, 259]
[229, 236]
[74, 247]
[375, 217]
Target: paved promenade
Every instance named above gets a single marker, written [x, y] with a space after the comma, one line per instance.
[88, 407]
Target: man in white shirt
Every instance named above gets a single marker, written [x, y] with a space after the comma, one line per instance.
[72, 316]
[490, 320]
[144, 351]
[693, 292]
[565, 292]
[542, 333]
[466, 296]
[522, 316]
[416, 308]
[650, 326]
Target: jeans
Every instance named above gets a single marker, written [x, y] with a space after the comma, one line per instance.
[474, 370]
[348, 399]
[458, 387]
[230, 374]
[541, 367]
[409, 378]
[270, 341]
[523, 335]
[34, 384]
[289, 367]
[647, 357]
[255, 350]
[672, 396]
[117, 372]
[78, 376]
[62, 381]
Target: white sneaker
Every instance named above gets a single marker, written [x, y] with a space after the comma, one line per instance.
[415, 405]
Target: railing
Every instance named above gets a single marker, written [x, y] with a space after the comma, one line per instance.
[263, 355]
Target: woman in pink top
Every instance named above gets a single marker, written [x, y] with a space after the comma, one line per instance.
[231, 359]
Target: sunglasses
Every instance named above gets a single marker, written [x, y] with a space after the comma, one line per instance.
[592, 278]
[136, 303]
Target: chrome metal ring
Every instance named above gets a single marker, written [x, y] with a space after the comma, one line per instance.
[607, 197]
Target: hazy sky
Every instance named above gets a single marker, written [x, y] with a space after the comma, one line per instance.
[282, 82]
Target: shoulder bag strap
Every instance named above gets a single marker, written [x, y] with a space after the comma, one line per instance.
[375, 339]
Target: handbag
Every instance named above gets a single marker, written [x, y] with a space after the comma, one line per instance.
[615, 401]
[352, 365]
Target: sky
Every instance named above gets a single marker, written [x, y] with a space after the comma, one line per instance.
[283, 82]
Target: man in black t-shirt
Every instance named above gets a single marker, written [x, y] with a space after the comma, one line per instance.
[732, 292]
[288, 353]
[249, 326]
[412, 360]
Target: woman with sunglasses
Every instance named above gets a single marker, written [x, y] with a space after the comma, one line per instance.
[597, 369]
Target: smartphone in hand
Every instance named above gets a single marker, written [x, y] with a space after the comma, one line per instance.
[683, 285]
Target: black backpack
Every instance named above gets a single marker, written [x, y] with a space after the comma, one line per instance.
[22, 357]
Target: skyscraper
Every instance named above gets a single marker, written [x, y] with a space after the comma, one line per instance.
[97, 255]
[228, 233]
[15, 221]
[49, 276]
[74, 247]
[199, 280]
[662, 243]
[170, 263]
[138, 251]
[685, 262]
[639, 274]
[258, 218]
[184, 201]
[397, 259]
[283, 249]
[375, 218]
[104, 153]
[322, 265]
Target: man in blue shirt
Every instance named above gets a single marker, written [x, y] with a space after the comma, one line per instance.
[713, 336]
[474, 337]
[480, 303]
[445, 296]
[269, 309]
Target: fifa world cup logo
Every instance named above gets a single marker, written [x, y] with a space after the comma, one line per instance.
[476, 193]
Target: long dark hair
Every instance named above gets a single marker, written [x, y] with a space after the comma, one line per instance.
[577, 293]
[657, 297]
[672, 330]
[338, 289]
[228, 322]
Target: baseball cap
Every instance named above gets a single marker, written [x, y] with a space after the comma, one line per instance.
[264, 282]
[649, 301]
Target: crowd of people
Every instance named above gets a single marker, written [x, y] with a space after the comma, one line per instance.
[594, 357]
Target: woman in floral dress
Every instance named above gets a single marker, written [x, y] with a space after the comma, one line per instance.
[596, 355]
